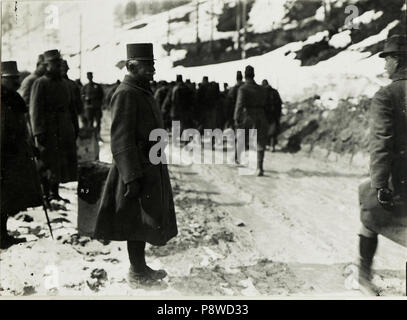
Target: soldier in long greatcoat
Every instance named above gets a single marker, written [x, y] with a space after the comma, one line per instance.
[383, 199]
[137, 203]
[275, 100]
[20, 188]
[252, 111]
[54, 129]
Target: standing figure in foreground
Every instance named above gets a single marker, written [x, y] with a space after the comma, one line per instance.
[383, 199]
[54, 129]
[20, 188]
[137, 203]
[251, 112]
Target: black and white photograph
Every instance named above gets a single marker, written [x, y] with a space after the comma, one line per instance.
[203, 149]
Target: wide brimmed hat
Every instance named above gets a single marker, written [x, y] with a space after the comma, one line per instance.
[396, 44]
[140, 51]
[52, 55]
[9, 69]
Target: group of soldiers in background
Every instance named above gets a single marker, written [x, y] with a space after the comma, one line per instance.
[207, 107]
[40, 125]
[246, 105]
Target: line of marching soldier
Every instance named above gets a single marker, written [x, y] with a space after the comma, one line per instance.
[247, 105]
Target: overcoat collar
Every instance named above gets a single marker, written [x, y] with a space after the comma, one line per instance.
[144, 86]
[135, 82]
[400, 75]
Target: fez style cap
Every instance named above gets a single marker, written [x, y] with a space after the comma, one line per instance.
[140, 51]
[179, 77]
[396, 44]
[51, 55]
[239, 75]
[9, 69]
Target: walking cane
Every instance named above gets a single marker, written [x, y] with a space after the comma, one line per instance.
[44, 200]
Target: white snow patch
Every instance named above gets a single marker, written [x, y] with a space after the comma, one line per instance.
[320, 14]
[340, 40]
[250, 289]
[178, 54]
[266, 15]
[367, 17]
[319, 36]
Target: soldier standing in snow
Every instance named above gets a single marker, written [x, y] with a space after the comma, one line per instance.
[383, 199]
[51, 106]
[20, 188]
[137, 204]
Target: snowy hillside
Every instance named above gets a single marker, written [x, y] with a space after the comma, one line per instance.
[290, 43]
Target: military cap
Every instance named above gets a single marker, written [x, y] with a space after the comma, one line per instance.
[9, 69]
[51, 55]
[140, 51]
[249, 72]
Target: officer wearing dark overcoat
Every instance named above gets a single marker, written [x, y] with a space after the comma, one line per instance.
[137, 203]
[20, 188]
[383, 199]
[51, 106]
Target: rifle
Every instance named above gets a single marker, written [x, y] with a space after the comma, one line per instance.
[45, 203]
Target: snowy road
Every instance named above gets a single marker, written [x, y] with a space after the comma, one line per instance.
[292, 232]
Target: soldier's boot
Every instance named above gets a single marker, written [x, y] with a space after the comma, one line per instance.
[260, 160]
[7, 240]
[140, 272]
[54, 194]
[367, 250]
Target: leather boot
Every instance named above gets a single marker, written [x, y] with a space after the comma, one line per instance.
[367, 250]
[139, 272]
[260, 159]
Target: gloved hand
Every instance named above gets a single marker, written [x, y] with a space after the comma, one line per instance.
[132, 189]
[385, 198]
